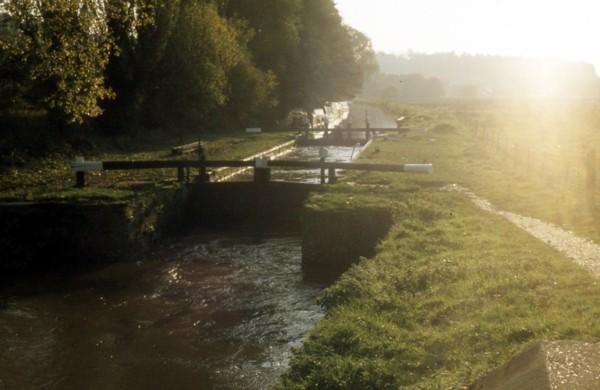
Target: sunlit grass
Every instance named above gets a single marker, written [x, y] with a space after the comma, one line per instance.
[454, 291]
[537, 177]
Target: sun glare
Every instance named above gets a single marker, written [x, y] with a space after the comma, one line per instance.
[548, 29]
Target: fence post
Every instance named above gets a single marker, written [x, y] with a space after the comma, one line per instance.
[543, 164]
[590, 167]
[79, 179]
[332, 177]
[322, 156]
[262, 172]
[180, 175]
[203, 176]
[322, 172]
[79, 175]
[368, 125]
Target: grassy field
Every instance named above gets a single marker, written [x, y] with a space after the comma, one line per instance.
[453, 291]
[530, 157]
[50, 178]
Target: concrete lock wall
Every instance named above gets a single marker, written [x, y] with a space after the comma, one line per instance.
[55, 236]
[52, 236]
[46, 236]
[42, 237]
[274, 205]
[333, 240]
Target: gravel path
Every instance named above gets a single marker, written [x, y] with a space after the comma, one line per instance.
[584, 252]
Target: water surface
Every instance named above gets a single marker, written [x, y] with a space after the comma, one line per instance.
[205, 311]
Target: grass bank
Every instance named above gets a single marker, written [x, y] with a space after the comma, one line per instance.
[453, 291]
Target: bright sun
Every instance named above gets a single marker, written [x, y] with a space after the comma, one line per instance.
[554, 29]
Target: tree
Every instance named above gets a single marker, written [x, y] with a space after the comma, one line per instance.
[252, 95]
[178, 63]
[364, 55]
[314, 57]
[13, 70]
[140, 30]
[275, 41]
[63, 49]
[334, 58]
[192, 78]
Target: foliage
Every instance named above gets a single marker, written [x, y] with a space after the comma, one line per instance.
[362, 49]
[63, 48]
[327, 67]
[177, 63]
[275, 41]
[252, 94]
[192, 79]
[140, 30]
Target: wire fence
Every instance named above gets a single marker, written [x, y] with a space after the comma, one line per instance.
[561, 167]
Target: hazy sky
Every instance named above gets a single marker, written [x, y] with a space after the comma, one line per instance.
[533, 28]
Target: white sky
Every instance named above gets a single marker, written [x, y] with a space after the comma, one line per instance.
[555, 29]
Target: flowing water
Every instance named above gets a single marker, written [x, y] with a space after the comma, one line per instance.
[202, 312]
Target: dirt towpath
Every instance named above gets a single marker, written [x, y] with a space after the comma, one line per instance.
[584, 252]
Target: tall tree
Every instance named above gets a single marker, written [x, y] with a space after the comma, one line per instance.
[191, 82]
[332, 58]
[178, 63]
[364, 55]
[275, 43]
[63, 48]
[141, 30]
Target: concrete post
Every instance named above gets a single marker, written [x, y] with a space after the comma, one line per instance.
[203, 175]
[323, 155]
[79, 179]
[79, 174]
[262, 172]
[262, 175]
[332, 177]
[180, 175]
[368, 126]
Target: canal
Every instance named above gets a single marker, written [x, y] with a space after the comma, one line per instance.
[210, 310]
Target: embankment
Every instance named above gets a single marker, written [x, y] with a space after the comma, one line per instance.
[335, 238]
[452, 293]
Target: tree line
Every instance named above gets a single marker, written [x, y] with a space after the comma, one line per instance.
[473, 76]
[403, 88]
[176, 64]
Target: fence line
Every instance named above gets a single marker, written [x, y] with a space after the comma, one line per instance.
[565, 168]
